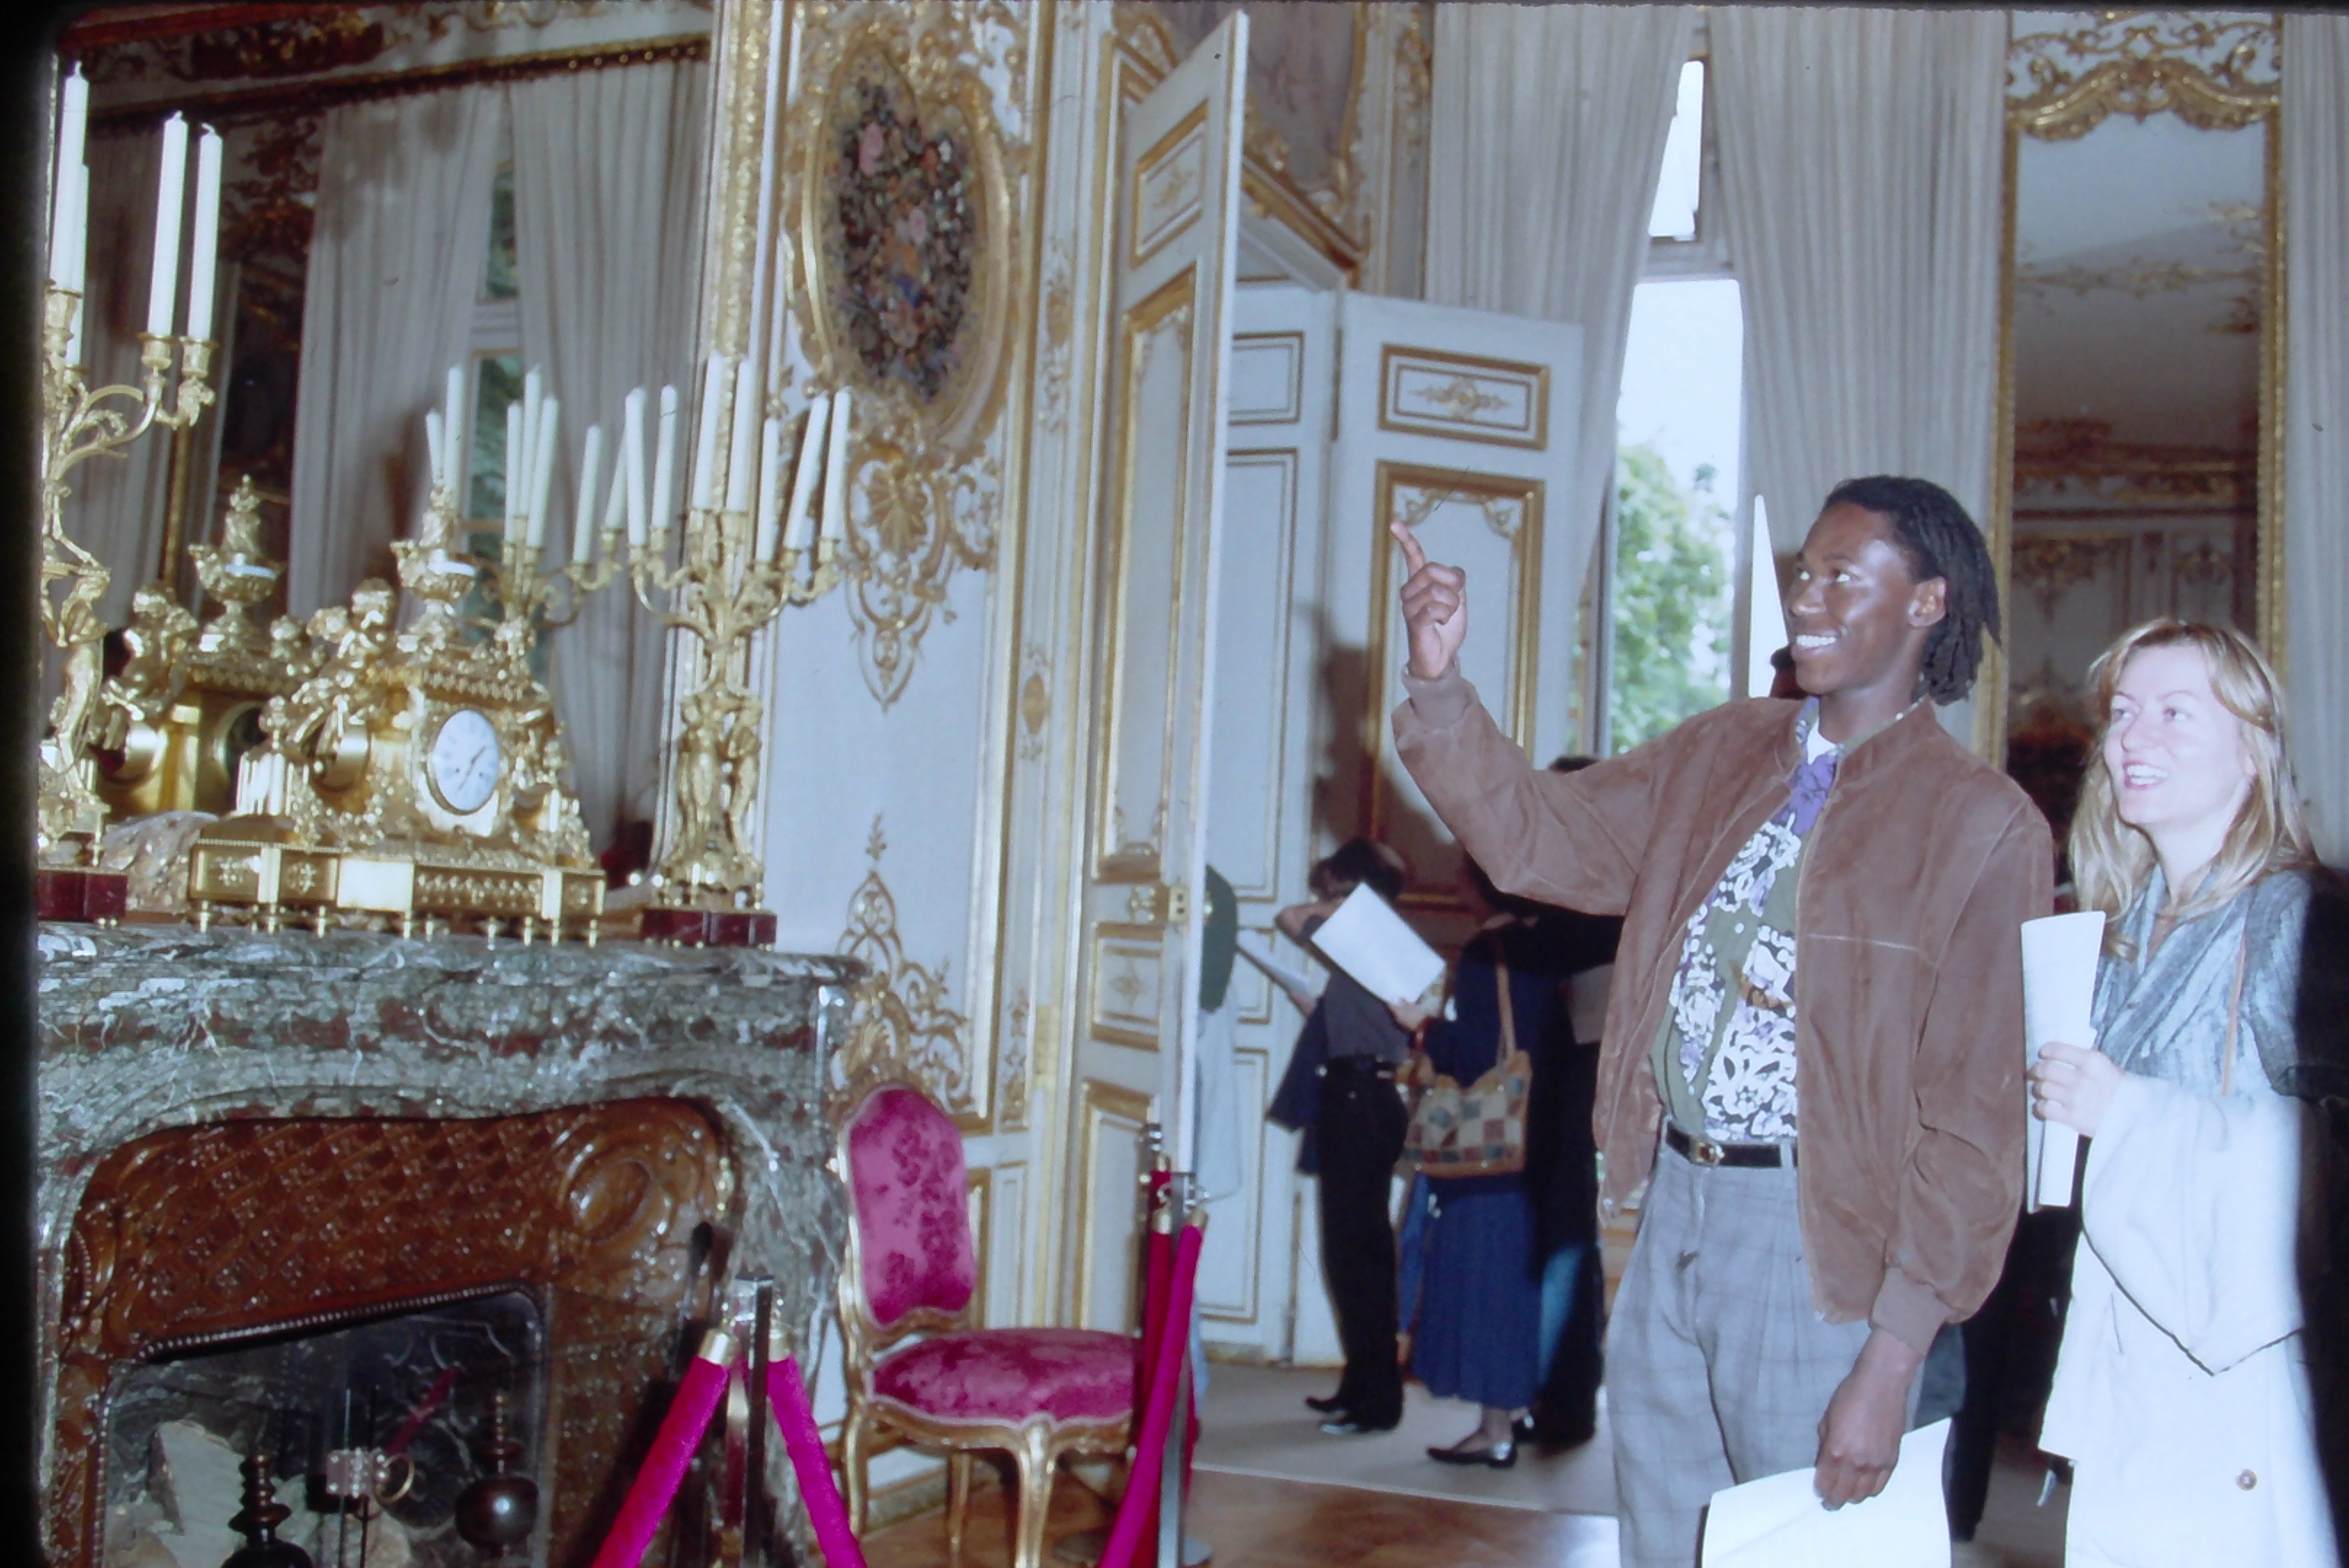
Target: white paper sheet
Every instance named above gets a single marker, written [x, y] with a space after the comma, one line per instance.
[2059, 993]
[1368, 940]
[1778, 1521]
[1257, 951]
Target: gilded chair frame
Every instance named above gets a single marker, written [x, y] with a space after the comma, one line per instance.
[1035, 1445]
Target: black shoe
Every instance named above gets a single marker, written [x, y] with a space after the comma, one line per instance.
[1499, 1456]
[1330, 1405]
[1346, 1424]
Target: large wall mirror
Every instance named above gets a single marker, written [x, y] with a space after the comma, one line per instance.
[2142, 358]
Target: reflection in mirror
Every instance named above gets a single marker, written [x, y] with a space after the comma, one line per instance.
[494, 186]
[2141, 290]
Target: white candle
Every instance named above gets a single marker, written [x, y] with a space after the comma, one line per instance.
[742, 452]
[65, 229]
[771, 488]
[705, 442]
[615, 510]
[542, 468]
[432, 438]
[532, 392]
[517, 481]
[799, 532]
[207, 249]
[665, 466]
[632, 462]
[583, 531]
[836, 470]
[453, 421]
[163, 294]
[78, 228]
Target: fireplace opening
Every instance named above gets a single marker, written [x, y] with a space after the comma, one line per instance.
[397, 1409]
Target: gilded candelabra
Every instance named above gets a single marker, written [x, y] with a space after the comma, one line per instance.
[723, 594]
[78, 423]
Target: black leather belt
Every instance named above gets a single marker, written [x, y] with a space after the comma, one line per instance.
[1370, 1065]
[1699, 1150]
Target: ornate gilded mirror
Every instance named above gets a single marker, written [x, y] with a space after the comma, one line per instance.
[2142, 364]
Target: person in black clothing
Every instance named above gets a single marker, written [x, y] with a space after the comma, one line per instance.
[1358, 1136]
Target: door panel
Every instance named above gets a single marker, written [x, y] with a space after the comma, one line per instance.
[1178, 189]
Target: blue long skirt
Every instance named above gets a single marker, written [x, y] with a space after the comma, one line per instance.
[1479, 1336]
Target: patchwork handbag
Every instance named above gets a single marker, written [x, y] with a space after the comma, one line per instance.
[1479, 1130]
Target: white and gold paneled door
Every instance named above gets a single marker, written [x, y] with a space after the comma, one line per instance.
[1464, 425]
[1177, 192]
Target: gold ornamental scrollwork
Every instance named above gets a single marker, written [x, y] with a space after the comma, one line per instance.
[2214, 73]
[906, 252]
[902, 1029]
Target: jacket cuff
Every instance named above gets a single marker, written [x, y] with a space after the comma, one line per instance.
[1442, 702]
[1908, 1311]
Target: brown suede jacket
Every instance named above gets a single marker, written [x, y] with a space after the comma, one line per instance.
[1908, 970]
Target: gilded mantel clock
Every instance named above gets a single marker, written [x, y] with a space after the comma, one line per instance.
[414, 774]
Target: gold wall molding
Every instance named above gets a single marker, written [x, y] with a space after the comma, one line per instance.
[2217, 75]
[1104, 1111]
[894, 130]
[2046, 566]
[1013, 1068]
[901, 1026]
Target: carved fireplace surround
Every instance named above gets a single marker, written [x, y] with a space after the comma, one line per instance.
[243, 1132]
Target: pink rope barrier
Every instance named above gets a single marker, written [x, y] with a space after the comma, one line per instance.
[787, 1397]
[654, 1488]
[1138, 1506]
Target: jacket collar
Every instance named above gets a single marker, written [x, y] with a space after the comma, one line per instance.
[1915, 731]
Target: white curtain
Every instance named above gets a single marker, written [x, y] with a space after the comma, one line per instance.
[2316, 416]
[608, 184]
[395, 264]
[1544, 140]
[1861, 154]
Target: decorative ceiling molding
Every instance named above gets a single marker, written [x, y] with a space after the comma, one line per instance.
[2137, 277]
[2216, 73]
[2075, 465]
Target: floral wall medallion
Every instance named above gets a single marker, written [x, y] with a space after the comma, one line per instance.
[909, 233]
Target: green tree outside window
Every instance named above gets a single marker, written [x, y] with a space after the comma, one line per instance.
[1674, 549]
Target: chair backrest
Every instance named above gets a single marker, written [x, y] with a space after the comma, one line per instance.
[909, 1200]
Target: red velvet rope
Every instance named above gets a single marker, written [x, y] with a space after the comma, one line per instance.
[787, 1396]
[654, 1488]
[1139, 1505]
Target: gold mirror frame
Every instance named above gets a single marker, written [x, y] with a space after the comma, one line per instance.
[2144, 64]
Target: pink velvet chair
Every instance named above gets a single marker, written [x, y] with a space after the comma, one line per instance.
[1039, 1393]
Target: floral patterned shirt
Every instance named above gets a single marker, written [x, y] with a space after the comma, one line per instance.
[1724, 1060]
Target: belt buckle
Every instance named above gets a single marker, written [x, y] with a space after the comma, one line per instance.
[1704, 1151]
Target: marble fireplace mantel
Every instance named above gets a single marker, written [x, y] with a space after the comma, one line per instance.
[145, 1028]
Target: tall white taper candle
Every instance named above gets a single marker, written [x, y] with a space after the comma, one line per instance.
[453, 421]
[438, 442]
[836, 470]
[517, 480]
[632, 462]
[742, 450]
[207, 244]
[798, 533]
[77, 227]
[615, 510]
[542, 468]
[664, 465]
[163, 295]
[73, 120]
[704, 441]
[771, 488]
[583, 529]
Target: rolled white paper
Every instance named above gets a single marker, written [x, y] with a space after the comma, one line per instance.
[771, 488]
[741, 450]
[2059, 994]
[73, 120]
[517, 480]
[799, 532]
[454, 422]
[632, 462]
[705, 442]
[434, 438]
[207, 244]
[583, 531]
[164, 292]
[836, 470]
[664, 510]
[542, 468]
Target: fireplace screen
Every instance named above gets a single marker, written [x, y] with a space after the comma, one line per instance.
[408, 1440]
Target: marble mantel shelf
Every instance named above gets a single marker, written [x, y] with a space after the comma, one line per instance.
[145, 1027]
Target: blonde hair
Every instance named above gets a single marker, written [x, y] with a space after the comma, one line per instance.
[2112, 862]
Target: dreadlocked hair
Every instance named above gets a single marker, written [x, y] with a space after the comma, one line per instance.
[1939, 539]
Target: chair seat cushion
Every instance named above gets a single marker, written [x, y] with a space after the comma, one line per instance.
[1012, 1375]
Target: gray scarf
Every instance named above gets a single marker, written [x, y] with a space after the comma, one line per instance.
[2166, 1016]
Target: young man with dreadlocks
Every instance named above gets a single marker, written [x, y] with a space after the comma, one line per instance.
[1813, 1052]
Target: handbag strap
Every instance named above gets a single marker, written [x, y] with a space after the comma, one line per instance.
[2235, 1012]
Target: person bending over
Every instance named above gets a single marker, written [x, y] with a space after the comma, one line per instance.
[1813, 1050]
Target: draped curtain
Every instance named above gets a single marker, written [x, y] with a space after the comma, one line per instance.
[1546, 139]
[608, 189]
[2315, 131]
[396, 262]
[1862, 157]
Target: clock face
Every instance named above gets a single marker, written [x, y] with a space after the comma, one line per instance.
[464, 766]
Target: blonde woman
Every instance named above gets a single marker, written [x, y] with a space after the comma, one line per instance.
[2181, 1392]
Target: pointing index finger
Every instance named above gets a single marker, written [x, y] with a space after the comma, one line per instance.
[1413, 555]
